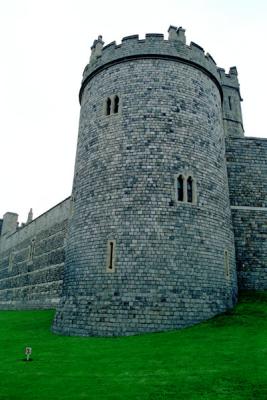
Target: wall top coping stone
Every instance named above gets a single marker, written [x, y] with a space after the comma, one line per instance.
[248, 208]
[249, 138]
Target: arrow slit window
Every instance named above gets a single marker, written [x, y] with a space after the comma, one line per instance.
[111, 255]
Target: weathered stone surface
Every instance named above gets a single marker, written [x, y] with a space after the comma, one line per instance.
[34, 282]
[170, 267]
[247, 171]
[137, 259]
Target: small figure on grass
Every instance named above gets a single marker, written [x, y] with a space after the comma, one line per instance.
[28, 352]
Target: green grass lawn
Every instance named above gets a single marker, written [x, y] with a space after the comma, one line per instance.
[224, 358]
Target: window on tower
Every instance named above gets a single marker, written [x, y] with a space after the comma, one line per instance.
[111, 256]
[180, 188]
[190, 189]
[116, 104]
[108, 106]
[112, 105]
[230, 102]
[185, 188]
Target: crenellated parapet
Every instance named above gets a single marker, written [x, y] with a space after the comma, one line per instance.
[153, 46]
[174, 48]
[230, 79]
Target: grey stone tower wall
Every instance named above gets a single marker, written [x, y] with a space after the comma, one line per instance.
[169, 255]
[247, 172]
[232, 113]
[28, 282]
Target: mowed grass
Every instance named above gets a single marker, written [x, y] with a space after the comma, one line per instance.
[223, 358]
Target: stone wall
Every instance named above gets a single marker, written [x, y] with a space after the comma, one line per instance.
[32, 261]
[247, 172]
[173, 261]
[170, 256]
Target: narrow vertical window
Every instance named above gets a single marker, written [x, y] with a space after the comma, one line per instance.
[111, 256]
[190, 189]
[180, 188]
[116, 104]
[10, 261]
[230, 102]
[108, 106]
[226, 264]
[111, 247]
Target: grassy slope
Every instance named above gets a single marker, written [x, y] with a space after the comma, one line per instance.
[224, 358]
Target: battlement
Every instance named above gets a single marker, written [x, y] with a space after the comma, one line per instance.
[153, 46]
[230, 79]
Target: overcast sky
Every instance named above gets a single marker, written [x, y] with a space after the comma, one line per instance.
[45, 45]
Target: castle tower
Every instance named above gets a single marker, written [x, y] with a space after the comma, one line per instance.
[232, 113]
[150, 244]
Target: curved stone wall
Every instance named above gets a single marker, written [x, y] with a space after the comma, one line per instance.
[169, 256]
[153, 45]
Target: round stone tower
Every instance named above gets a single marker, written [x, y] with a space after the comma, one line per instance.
[150, 245]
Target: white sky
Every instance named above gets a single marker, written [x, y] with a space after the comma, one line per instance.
[45, 45]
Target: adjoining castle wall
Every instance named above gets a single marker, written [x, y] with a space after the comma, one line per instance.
[32, 261]
[247, 174]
